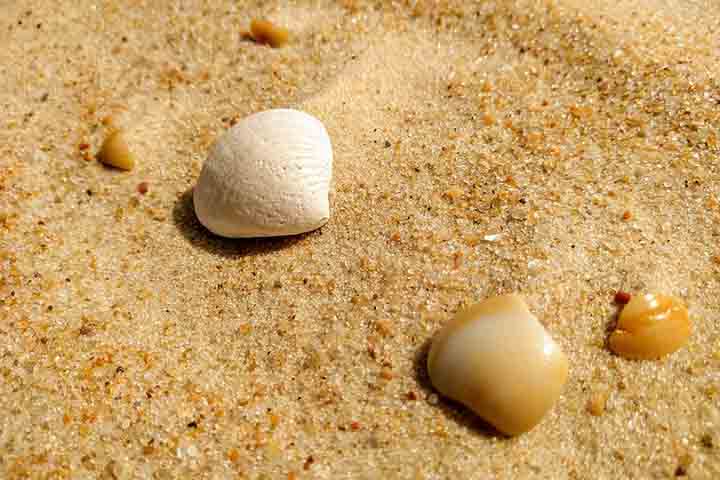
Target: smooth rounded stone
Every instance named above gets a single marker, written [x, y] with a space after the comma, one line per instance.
[651, 326]
[266, 32]
[116, 153]
[497, 359]
[267, 176]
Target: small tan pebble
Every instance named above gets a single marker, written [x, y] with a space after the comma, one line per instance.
[580, 112]
[596, 404]
[472, 239]
[274, 420]
[386, 374]
[650, 326]
[452, 194]
[384, 327]
[115, 152]
[497, 359]
[268, 33]
[233, 455]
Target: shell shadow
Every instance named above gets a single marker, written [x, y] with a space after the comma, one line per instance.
[453, 410]
[198, 236]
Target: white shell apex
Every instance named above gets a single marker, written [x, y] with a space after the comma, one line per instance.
[267, 176]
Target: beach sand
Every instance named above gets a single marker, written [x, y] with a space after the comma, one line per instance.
[544, 147]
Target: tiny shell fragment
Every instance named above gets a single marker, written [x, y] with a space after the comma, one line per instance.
[268, 33]
[651, 326]
[497, 359]
[115, 152]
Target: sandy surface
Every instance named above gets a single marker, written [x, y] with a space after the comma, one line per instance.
[136, 345]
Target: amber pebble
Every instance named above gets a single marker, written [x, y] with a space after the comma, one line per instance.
[651, 326]
[266, 32]
[115, 152]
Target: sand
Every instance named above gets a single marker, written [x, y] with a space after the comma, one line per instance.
[480, 148]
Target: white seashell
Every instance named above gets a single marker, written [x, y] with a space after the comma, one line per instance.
[267, 176]
[496, 358]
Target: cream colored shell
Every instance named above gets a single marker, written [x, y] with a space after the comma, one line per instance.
[267, 176]
[496, 358]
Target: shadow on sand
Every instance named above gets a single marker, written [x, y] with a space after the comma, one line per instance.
[198, 236]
